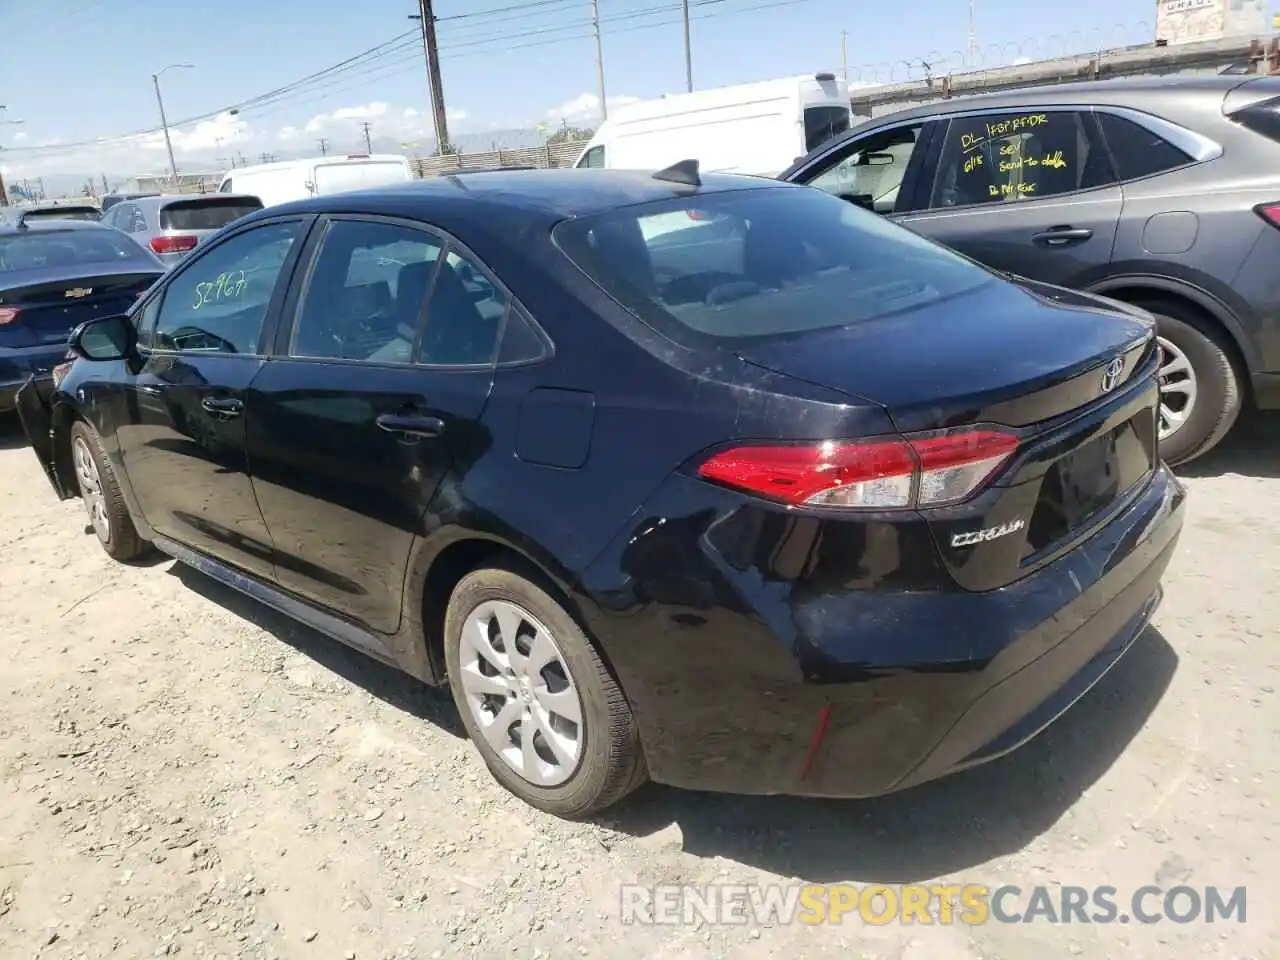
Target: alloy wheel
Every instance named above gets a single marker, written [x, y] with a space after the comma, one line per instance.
[1178, 388]
[91, 489]
[520, 692]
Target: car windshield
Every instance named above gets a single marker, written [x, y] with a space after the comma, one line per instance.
[212, 213]
[45, 249]
[747, 264]
[62, 213]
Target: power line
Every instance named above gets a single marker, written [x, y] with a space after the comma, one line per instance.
[367, 63]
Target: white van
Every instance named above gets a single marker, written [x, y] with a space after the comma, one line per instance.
[287, 180]
[751, 128]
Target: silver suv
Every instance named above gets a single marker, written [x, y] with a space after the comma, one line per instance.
[1162, 193]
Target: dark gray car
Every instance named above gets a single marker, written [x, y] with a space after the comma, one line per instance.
[172, 226]
[1161, 193]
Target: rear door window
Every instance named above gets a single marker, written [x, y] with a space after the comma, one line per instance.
[206, 213]
[1136, 151]
[769, 262]
[366, 292]
[1018, 156]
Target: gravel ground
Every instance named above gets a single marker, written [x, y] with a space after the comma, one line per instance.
[183, 771]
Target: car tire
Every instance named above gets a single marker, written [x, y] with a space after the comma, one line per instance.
[597, 762]
[100, 492]
[1213, 375]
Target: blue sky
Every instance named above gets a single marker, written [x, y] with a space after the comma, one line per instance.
[80, 69]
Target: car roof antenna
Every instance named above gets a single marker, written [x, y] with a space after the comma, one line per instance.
[684, 172]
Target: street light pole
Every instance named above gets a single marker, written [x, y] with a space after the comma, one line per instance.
[164, 122]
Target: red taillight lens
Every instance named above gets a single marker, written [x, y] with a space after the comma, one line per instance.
[922, 471]
[1269, 212]
[173, 244]
[8, 314]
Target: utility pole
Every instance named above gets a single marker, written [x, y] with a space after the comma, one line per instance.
[105, 189]
[844, 55]
[595, 25]
[164, 123]
[688, 51]
[324, 146]
[427, 17]
[368, 140]
[43, 194]
[973, 38]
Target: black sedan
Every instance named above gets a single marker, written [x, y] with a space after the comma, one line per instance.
[718, 481]
[54, 275]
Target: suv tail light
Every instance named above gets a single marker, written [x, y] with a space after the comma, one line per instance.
[928, 470]
[8, 314]
[178, 244]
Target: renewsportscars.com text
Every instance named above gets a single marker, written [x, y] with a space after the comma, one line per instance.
[928, 904]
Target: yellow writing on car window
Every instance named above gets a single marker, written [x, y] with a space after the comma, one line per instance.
[1054, 161]
[227, 286]
[1001, 128]
[1011, 189]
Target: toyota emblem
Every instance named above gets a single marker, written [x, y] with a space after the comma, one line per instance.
[1112, 374]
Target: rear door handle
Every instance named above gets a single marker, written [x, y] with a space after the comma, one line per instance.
[222, 406]
[411, 426]
[1059, 236]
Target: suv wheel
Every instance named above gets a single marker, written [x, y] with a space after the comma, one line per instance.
[101, 495]
[1200, 396]
[536, 698]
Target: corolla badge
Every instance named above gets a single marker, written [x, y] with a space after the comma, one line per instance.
[1112, 374]
[79, 292]
[990, 533]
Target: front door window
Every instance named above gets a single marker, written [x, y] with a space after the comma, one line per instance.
[871, 173]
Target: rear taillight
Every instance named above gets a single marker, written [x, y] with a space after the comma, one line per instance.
[8, 314]
[1269, 212]
[180, 244]
[929, 470]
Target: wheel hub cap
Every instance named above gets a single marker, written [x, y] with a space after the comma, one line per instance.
[520, 693]
[1179, 388]
[90, 484]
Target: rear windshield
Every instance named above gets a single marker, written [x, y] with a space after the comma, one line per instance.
[823, 123]
[64, 248]
[761, 263]
[62, 213]
[213, 213]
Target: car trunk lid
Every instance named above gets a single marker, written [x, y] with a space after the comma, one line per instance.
[1071, 375]
[40, 308]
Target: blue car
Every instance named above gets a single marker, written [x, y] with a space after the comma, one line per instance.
[55, 274]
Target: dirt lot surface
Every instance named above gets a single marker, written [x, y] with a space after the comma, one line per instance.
[185, 772]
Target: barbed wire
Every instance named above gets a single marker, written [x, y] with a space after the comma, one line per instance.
[1097, 41]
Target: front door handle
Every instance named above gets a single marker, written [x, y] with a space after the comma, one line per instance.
[1060, 236]
[226, 407]
[416, 427]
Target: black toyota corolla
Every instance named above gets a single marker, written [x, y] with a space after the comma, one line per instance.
[713, 480]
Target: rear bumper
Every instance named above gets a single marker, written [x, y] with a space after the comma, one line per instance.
[17, 364]
[774, 687]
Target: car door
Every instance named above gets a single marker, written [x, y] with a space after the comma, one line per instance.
[1030, 192]
[373, 396]
[182, 440]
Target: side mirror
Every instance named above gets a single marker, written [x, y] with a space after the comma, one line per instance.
[107, 338]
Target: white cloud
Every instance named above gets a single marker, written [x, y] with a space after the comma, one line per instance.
[409, 113]
[20, 135]
[456, 115]
[288, 133]
[585, 109]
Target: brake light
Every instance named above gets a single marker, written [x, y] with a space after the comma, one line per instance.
[921, 471]
[179, 244]
[8, 314]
